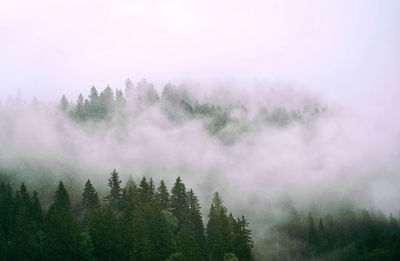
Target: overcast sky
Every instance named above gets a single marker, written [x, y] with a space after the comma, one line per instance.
[346, 49]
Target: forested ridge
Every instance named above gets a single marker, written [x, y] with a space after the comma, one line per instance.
[253, 153]
[349, 233]
[133, 222]
[225, 120]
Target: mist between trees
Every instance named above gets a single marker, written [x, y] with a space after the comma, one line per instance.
[260, 148]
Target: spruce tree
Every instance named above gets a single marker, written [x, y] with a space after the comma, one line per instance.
[80, 109]
[90, 201]
[114, 198]
[93, 96]
[103, 230]
[152, 189]
[24, 230]
[144, 190]
[61, 232]
[179, 202]
[63, 103]
[242, 243]
[162, 196]
[195, 223]
[37, 211]
[218, 230]
[187, 245]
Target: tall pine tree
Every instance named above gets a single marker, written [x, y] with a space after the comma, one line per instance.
[61, 231]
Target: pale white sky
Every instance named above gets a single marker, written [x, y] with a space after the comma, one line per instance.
[346, 49]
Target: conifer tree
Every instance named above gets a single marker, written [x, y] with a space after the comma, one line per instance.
[195, 223]
[162, 196]
[114, 198]
[218, 230]
[93, 96]
[179, 202]
[187, 245]
[90, 201]
[103, 230]
[24, 230]
[63, 103]
[159, 236]
[80, 109]
[144, 190]
[152, 189]
[241, 239]
[61, 232]
[37, 211]
[6, 209]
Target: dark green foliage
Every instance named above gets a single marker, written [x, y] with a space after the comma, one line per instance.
[348, 235]
[25, 233]
[227, 122]
[90, 202]
[162, 196]
[176, 257]
[114, 198]
[103, 229]
[241, 238]
[134, 224]
[230, 257]
[218, 230]
[187, 245]
[195, 224]
[179, 202]
[144, 191]
[61, 232]
[85, 248]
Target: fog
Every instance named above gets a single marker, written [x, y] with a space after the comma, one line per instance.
[336, 155]
[330, 69]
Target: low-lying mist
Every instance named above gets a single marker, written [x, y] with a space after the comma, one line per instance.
[255, 146]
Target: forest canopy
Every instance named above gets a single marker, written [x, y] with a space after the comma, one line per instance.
[141, 221]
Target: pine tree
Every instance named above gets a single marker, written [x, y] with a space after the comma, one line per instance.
[114, 198]
[218, 230]
[195, 223]
[162, 196]
[90, 201]
[160, 237]
[80, 108]
[179, 202]
[130, 196]
[119, 99]
[187, 245]
[152, 189]
[242, 243]
[63, 103]
[93, 96]
[37, 211]
[24, 231]
[6, 217]
[107, 101]
[103, 230]
[144, 190]
[61, 232]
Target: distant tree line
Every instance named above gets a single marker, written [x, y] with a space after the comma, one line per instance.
[347, 235]
[177, 104]
[133, 222]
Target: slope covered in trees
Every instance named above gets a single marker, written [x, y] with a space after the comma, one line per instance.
[133, 222]
[225, 120]
[347, 233]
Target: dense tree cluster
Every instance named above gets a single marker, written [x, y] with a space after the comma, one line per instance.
[347, 235]
[224, 120]
[133, 222]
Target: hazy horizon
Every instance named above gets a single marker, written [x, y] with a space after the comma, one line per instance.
[263, 101]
